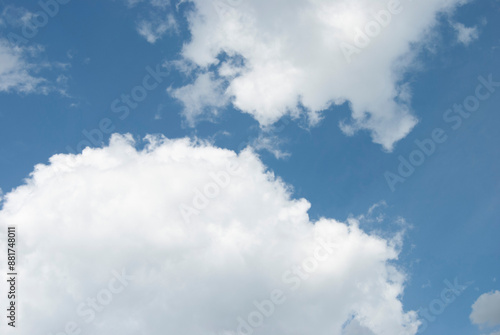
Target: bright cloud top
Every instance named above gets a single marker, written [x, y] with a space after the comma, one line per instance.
[185, 238]
[314, 54]
[486, 310]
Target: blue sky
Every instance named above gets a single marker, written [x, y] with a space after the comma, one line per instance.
[451, 203]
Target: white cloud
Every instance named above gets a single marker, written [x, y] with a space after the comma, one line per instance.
[294, 63]
[203, 98]
[154, 29]
[486, 309]
[465, 35]
[16, 73]
[355, 328]
[81, 216]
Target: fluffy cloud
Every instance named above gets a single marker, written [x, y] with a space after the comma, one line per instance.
[354, 328]
[184, 238]
[16, 73]
[486, 309]
[300, 57]
[203, 98]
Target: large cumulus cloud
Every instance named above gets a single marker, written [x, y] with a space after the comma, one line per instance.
[300, 57]
[181, 237]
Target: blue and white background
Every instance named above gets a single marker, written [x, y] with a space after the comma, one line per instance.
[254, 167]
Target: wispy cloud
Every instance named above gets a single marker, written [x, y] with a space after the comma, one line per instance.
[154, 29]
[156, 19]
[17, 73]
[23, 66]
[270, 143]
[465, 35]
